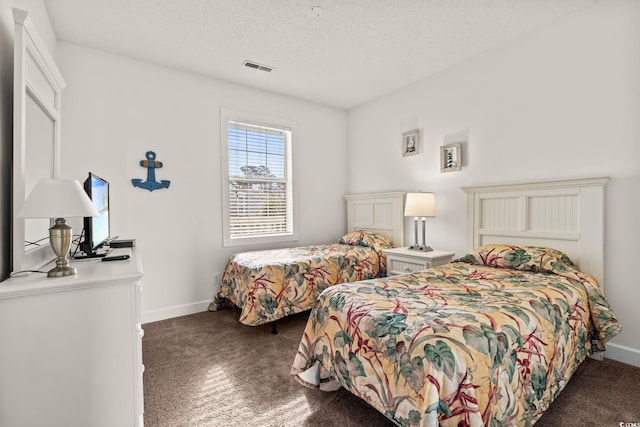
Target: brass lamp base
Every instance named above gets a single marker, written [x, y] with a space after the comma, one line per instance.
[60, 237]
[62, 271]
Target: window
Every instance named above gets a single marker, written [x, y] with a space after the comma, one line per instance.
[257, 180]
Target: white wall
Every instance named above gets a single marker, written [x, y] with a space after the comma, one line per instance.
[116, 109]
[39, 17]
[563, 102]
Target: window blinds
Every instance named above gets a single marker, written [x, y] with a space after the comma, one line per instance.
[260, 196]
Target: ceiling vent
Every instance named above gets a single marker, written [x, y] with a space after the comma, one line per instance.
[257, 66]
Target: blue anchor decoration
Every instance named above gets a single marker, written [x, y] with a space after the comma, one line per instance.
[151, 164]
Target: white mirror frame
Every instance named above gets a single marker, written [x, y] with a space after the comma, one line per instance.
[36, 75]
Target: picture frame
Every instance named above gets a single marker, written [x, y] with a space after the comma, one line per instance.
[450, 157]
[411, 143]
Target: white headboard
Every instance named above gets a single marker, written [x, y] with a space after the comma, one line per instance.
[565, 215]
[382, 213]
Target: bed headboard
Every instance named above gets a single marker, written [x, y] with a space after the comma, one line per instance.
[566, 215]
[382, 213]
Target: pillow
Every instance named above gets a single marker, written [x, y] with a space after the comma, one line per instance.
[366, 238]
[523, 258]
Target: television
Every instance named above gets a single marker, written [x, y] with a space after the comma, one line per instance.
[96, 228]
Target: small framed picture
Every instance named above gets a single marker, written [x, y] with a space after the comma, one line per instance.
[410, 142]
[450, 157]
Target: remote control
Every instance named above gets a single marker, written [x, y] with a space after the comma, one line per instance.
[115, 258]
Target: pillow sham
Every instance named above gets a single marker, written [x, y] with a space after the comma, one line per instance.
[522, 258]
[366, 238]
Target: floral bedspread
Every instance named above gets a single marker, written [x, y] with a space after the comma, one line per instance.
[268, 285]
[490, 339]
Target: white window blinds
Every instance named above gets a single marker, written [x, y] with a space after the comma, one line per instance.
[260, 201]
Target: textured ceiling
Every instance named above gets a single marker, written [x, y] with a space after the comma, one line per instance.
[356, 51]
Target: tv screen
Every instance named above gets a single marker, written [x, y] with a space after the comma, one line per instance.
[96, 229]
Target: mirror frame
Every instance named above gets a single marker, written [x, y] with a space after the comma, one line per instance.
[35, 75]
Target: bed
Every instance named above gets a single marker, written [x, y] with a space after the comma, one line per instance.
[270, 284]
[489, 339]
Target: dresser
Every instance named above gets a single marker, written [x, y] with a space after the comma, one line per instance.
[405, 260]
[71, 347]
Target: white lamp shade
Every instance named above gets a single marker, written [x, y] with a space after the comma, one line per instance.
[57, 198]
[420, 204]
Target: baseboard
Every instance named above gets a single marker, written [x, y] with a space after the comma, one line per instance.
[623, 354]
[175, 311]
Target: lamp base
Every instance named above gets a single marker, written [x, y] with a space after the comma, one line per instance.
[62, 271]
[421, 248]
[60, 238]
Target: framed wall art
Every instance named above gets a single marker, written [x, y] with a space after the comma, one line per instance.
[410, 142]
[450, 157]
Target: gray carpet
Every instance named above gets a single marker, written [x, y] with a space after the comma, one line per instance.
[207, 369]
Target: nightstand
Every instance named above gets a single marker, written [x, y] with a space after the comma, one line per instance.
[404, 260]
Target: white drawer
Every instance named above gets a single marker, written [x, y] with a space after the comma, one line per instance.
[405, 261]
[400, 265]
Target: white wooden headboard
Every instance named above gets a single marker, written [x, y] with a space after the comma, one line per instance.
[566, 215]
[382, 213]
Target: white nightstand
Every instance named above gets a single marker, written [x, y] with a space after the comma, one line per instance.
[404, 260]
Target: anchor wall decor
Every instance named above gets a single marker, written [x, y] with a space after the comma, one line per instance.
[151, 164]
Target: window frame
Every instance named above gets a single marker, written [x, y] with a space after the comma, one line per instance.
[227, 115]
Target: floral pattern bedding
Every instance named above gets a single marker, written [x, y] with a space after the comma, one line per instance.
[490, 339]
[271, 284]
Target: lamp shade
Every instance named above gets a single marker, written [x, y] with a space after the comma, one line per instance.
[57, 198]
[420, 204]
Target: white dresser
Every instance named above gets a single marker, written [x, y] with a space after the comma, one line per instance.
[71, 347]
[405, 260]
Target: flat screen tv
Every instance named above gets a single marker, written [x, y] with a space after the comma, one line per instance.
[96, 228]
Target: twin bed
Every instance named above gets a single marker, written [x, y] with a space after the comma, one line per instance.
[489, 339]
[270, 284]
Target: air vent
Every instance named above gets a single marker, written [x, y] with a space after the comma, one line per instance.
[257, 66]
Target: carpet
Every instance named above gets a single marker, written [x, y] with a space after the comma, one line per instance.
[207, 369]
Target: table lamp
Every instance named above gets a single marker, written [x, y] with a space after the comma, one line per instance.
[58, 198]
[420, 205]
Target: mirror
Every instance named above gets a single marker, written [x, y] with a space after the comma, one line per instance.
[36, 137]
[38, 164]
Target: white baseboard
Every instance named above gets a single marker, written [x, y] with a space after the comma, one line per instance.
[175, 311]
[623, 354]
